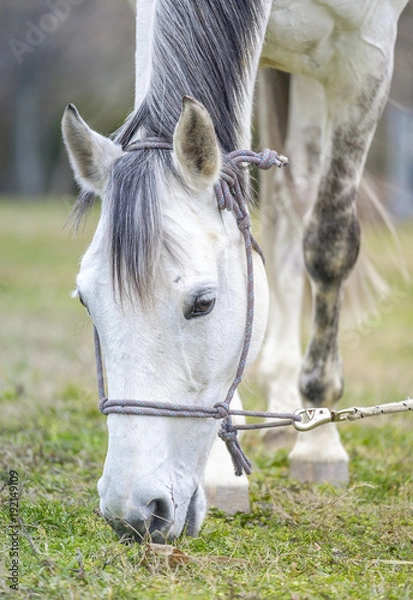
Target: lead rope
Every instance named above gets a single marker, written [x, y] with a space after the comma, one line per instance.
[229, 196]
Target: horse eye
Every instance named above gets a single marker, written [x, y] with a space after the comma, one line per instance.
[203, 305]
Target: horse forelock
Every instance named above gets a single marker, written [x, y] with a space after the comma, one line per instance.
[135, 219]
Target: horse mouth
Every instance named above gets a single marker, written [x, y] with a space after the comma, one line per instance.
[153, 528]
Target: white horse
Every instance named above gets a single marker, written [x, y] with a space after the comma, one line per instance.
[164, 278]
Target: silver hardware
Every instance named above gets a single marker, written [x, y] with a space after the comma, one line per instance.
[311, 418]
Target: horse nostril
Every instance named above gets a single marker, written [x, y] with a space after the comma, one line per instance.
[161, 520]
[151, 521]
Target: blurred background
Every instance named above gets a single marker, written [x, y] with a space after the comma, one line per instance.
[81, 51]
[54, 52]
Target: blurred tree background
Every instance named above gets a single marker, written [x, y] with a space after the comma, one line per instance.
[82, 51]
[54, 52]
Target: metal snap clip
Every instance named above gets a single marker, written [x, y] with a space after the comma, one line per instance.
[311, 418]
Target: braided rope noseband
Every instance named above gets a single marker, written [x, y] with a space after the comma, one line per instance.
[229, 196]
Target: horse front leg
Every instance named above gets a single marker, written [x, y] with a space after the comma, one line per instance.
[331, 245]
[285, 196]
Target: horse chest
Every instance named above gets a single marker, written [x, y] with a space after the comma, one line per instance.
[302, 36]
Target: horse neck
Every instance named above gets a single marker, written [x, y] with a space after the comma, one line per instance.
[228, 93]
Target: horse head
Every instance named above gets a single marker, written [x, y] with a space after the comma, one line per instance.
[165, 283]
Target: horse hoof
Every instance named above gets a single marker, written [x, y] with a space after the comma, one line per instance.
[279, 439]
[230, 499]
[335, 473]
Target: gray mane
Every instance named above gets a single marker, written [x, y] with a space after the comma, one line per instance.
[201, 49]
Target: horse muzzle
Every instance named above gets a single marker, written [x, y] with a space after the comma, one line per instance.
[159, 519]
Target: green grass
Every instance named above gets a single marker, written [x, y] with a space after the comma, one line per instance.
[298, 542]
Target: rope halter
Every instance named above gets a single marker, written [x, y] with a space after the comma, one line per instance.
[229, 197]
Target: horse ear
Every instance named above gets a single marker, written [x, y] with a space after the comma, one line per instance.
[196, 149]
[90, 153]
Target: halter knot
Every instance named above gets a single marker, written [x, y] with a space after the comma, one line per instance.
[244, 222]
[222, 410]
[229, 435]
[269, 158]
